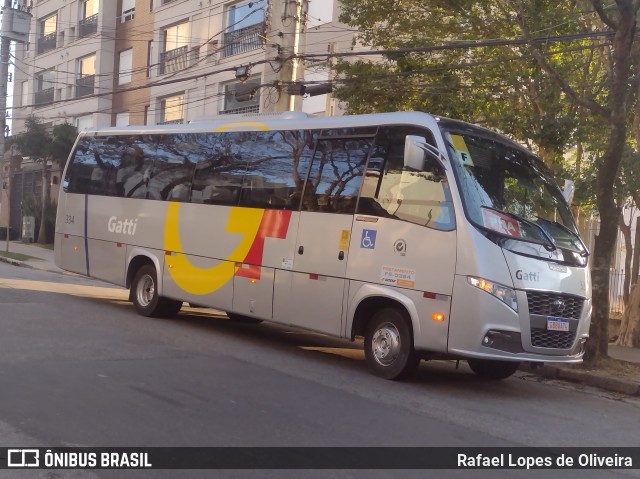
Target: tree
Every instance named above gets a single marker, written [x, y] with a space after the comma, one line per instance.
[37, 144]
[568, 80]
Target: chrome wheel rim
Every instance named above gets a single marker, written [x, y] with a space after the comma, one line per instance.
[385, 344]
[146, 290]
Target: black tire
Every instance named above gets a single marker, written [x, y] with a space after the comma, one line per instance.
[144, 294]
[169, 308]
[388, 345]
[495, 370]
[240, 318]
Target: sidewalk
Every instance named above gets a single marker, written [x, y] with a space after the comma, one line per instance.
[43, 257]
[616, 381]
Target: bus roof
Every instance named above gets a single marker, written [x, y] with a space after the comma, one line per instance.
[270, 121]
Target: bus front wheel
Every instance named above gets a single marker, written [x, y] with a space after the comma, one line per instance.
[388, 345]
[145, 295]
[496, 370]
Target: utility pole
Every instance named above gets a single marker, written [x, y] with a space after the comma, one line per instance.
[5, 48]
[15, 26]
[296, 48]
[286, 25]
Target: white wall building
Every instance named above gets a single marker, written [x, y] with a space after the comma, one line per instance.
[118, 62]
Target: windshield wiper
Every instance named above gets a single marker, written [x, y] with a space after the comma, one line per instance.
[585, 252]
[548, 244]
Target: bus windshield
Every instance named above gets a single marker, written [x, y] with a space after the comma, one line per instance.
[508, 190]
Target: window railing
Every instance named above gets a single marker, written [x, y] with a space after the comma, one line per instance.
[244, 109]
[85, 85]
[172, 122]
[243, 40]
[87, 26]
[174, 60]
[43, 97]
[47, 42]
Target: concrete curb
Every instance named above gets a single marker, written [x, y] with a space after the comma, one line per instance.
[24, 264]
[588, 378]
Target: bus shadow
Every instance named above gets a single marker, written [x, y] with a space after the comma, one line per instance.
[446, 375]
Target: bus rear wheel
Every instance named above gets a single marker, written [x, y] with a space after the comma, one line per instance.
[145, 295]
[495, 370]
[388, 345]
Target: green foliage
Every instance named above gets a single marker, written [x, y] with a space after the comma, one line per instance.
[37, 144]
[501, 87]
[64, 136]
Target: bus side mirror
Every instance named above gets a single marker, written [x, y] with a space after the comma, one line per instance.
[568, 191]
[415, 148]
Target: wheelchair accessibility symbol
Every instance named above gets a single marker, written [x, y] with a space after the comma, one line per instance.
[368, 239]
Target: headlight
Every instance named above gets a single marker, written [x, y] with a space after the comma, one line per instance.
[504, 294]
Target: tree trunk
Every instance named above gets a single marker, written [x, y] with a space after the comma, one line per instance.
[626, 233]
[630, 326]
[608, 168]
[42, 230]
[635, 267]
[598, 343]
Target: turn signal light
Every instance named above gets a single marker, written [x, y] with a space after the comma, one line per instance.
[437, 317]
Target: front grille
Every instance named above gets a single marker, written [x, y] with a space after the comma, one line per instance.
[552, 304]
[541, 338]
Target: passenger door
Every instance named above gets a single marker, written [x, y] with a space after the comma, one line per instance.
[324, 231]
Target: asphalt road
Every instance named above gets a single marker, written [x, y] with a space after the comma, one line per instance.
[78, 367]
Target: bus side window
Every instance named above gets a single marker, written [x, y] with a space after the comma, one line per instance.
[93, 168]
[218, 177]
[271, 158]
[335, 176]
[393, 190]
[175, 160]
[135, 166]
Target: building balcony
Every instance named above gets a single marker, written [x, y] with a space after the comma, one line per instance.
[47, 43]
[174, 60]
[242, 110]
[43, 97]
[85, 85]
[243, 40]
[179, 121]
[88, 26]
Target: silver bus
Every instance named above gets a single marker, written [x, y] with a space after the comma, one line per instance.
[428, 237]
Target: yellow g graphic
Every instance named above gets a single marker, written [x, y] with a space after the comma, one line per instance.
[195, 280]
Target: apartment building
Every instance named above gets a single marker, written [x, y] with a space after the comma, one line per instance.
[143, 62]
[100, 63]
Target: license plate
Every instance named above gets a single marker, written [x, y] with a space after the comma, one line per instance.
[557, 324]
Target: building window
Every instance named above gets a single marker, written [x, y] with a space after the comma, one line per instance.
[242, 97]
[122, 119]
[174, 56]
[85, 83]
[128, 10]
[89, 18]
[47, 33]
[213, 51]
[84, 122]
[125, 66]
[172, 109]
[245, 27]
[44, 88]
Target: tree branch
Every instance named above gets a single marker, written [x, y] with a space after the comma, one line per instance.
[590, 104]
[597, 5]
